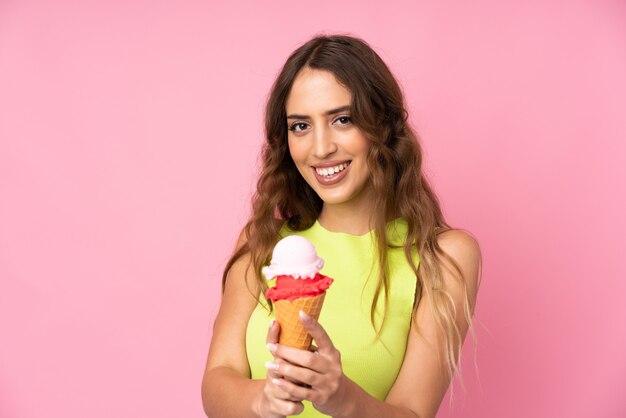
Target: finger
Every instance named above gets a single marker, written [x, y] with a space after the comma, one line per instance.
[280, 400]
[296, 392]
[316, 331]
[293, 373]
[275, 390]
[273, 333]
[276, 371]
[287, 408]
[296, 356]
[272, 369]
[273, 387]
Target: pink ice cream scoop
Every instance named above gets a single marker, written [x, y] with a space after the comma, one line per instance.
[299, 287]
[294, 256]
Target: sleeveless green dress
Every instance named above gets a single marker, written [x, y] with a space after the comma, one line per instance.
[353, 264]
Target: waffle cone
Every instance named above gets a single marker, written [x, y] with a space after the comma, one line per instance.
[292, 332]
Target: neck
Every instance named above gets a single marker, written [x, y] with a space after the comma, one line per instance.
[353, 217]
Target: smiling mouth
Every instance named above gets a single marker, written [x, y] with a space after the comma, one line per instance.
[329, 176]
[330, 172]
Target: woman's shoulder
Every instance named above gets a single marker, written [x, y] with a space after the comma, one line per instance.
[459, 243]
[463, 248]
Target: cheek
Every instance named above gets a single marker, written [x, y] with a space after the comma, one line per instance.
[296, 151]
[361, 147]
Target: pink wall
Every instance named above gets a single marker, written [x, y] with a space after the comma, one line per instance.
[129, 133]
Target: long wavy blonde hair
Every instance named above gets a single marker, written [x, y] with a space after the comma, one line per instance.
[395, 160]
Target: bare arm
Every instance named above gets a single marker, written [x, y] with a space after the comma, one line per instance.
[227, 390]
[422, 381]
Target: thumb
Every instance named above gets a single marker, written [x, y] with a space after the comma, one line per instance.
[273, 333]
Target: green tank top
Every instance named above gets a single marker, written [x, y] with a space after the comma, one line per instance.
[352, 262]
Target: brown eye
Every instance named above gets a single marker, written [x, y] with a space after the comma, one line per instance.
[343, 120]
[298, 127]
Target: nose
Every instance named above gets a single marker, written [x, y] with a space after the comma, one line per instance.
[324, 143]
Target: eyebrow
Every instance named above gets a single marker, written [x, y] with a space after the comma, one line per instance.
[327, 113]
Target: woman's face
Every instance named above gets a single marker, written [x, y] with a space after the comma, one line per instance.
[328, 150]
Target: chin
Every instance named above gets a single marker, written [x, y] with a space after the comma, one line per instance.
[337, 198]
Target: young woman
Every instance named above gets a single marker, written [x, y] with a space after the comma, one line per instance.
[343, 168]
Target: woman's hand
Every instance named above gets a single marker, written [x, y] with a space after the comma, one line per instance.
[319, 371]
[275, 402]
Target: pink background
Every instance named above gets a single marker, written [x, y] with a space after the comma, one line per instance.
[129, 135]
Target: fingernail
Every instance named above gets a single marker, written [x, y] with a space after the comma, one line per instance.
[271, 365]
[304, 316]
[272, 347]
[271, 323]
[277, 382]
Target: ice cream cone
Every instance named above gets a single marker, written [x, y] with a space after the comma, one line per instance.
[299, 287]
[292, 332]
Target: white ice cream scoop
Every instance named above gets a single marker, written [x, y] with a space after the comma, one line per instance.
[293, 256]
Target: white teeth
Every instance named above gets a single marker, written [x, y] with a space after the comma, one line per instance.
[327, 172]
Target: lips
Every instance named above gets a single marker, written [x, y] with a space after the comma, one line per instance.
[328, 175]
